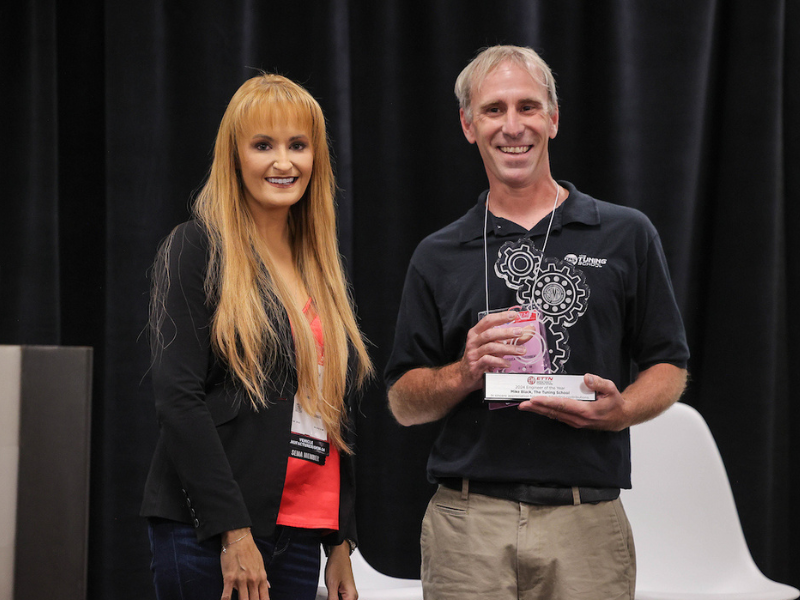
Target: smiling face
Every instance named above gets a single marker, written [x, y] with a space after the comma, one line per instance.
[511, 124]
[276, 160]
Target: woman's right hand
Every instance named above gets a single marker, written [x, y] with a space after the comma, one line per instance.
[243, 567]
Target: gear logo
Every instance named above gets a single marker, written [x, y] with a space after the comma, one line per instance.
[516, 262]
[553, 293]
[560, 292]
[557, 288]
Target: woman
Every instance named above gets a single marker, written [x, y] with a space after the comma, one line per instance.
[256, 357]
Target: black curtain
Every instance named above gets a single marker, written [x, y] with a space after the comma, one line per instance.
[687, 110]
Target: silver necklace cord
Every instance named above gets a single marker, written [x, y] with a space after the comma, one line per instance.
[546, 237]
[486, 251]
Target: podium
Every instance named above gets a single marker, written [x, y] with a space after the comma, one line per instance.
[45, 426]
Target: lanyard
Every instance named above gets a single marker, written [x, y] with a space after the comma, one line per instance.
[486, 252]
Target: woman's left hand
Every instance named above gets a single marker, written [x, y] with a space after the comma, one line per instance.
[339, 574]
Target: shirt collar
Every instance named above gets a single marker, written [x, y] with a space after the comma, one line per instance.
[577, 208]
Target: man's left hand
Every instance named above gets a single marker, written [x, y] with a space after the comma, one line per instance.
[607, 412]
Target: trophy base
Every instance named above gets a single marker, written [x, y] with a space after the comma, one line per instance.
[518, 387]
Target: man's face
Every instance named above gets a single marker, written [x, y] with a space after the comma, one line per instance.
[511, 126]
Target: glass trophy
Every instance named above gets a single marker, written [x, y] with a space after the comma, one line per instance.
[530, 374]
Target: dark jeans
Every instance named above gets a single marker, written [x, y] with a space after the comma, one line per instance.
[185, 569]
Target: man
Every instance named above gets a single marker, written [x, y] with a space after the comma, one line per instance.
[527, 505]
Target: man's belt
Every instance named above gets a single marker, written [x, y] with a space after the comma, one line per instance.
[533, 494]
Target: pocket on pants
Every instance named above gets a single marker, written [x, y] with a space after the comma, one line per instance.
[453, 511]
[449, 502]
[444, 506]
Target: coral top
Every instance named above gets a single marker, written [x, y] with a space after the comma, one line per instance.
[311, 492]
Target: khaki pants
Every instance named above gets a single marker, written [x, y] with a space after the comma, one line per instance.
[474, 546]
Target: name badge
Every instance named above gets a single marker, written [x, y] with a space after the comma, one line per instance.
[309, 437]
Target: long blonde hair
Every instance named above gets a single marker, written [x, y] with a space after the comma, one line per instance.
[250, 298]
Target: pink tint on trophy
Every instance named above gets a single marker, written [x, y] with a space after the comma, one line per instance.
[531, 330]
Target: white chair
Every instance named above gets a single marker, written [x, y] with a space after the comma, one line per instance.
[372, 584]
[689, 541]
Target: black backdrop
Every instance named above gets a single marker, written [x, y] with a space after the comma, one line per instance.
[686, 109]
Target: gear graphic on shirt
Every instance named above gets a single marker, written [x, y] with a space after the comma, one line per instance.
[558, 350]
[516, 262]
[559, 291]
[557, 288]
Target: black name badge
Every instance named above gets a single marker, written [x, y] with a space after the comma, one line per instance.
[307, 448]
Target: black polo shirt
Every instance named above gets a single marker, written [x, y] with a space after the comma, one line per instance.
[605, 294]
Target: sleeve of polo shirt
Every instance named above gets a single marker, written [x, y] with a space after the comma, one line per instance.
[658, 334]
[418, 334]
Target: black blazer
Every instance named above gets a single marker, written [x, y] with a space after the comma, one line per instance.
[218, 463]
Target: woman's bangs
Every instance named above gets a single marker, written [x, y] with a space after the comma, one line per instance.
[270, 111]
